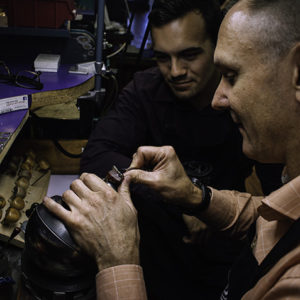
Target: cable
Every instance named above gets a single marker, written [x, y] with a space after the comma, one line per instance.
[111, 98]
[84, 32]
[65, 152]
[127, 8]
[117, 51]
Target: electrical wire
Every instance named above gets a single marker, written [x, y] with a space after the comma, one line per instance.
[127, 8]
[112, 96]
[117, 51]
[64, 151]
[84, 32]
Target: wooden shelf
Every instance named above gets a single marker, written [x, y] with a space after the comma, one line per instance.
[13, 137]
[66, 95]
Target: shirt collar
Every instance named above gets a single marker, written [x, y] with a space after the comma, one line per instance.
[284, 201]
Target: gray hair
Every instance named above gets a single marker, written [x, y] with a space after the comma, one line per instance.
[280, 24]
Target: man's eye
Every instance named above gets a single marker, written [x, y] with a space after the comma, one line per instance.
[230, 77]
[162, 58]
[190, 55]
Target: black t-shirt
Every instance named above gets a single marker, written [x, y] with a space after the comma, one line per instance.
[147, 113]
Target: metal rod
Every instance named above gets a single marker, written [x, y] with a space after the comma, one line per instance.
[99, 44]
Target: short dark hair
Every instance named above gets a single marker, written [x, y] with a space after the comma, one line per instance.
[166, 11]
[281, 29]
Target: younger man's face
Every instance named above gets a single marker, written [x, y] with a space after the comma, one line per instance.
[184, 55]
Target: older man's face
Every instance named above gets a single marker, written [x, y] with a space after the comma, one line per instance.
[256, 92]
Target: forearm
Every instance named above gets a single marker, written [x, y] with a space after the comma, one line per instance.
[231, 211]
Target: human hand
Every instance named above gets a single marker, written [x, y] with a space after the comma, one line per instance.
[103, 222]
[168, 176]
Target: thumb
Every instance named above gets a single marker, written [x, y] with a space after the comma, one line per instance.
[124, 192]
[140, 176]
[123, 189]
[137, 161]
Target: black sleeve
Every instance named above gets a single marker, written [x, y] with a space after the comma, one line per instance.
[117, 135]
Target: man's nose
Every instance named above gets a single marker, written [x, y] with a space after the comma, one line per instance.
[220, 100]
[178, 68]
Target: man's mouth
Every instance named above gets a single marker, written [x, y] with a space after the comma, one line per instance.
[180, 85]
[237, 121]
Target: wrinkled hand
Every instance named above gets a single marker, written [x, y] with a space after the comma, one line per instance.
[101, 221]
[168, 176]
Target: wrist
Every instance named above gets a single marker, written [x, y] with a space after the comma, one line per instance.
[132, 258]
[199, 199]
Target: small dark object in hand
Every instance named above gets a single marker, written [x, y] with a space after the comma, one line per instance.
[114, 177]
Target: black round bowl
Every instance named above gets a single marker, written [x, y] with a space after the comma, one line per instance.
[51, 258]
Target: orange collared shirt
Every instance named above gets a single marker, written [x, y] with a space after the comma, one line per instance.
[234, 212]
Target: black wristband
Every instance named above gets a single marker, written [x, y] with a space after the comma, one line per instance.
[206, 195]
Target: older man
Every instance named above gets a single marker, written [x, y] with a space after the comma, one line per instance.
[258, 54]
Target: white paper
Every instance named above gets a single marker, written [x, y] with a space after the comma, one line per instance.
[59, 184]
[45, 70]
[13, 103]
[47, 61]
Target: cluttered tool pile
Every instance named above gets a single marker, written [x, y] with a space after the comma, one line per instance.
[23, 184]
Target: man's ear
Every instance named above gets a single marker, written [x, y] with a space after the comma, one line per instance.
[296, 71]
